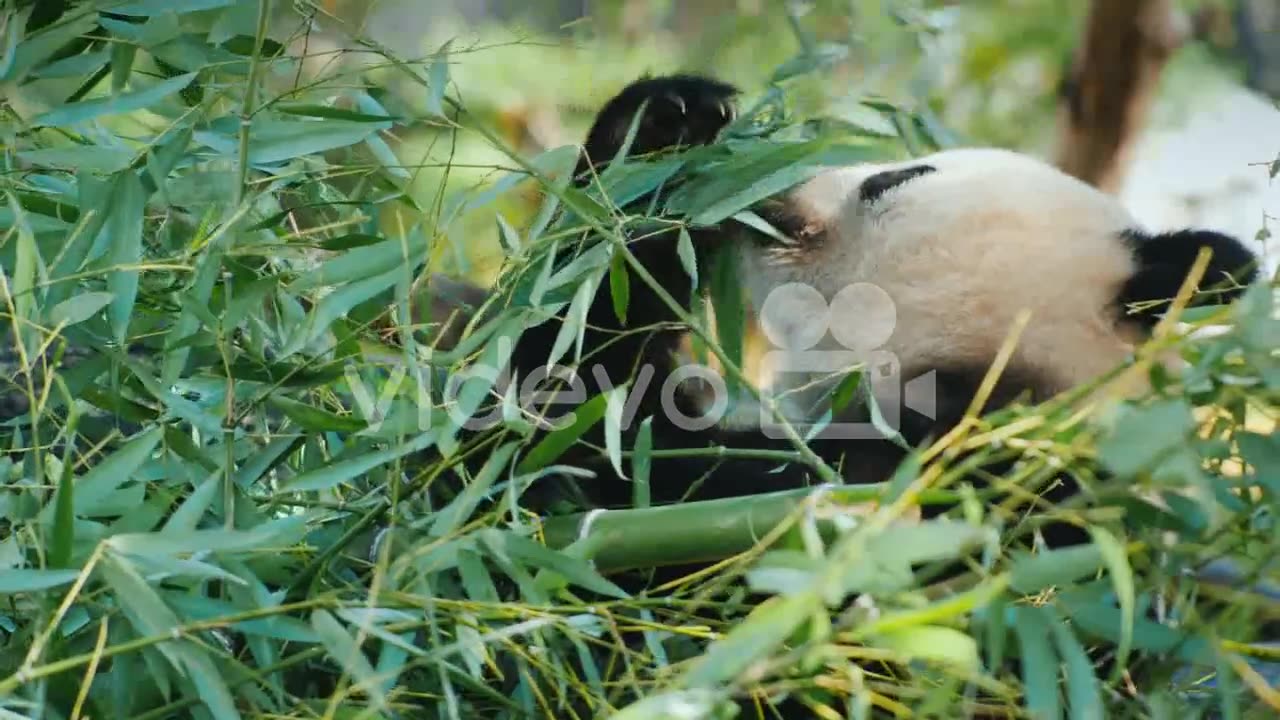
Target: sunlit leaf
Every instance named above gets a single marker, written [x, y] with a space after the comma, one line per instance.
[940, 644]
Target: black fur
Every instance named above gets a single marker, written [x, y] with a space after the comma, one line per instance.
[680, 110]
[1164, 261]
[882, 182]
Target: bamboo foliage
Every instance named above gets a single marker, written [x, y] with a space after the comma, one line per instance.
[224, 495]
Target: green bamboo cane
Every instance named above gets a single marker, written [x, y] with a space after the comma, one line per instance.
[703, 531]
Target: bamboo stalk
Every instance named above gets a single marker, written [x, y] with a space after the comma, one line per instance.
[708, 530]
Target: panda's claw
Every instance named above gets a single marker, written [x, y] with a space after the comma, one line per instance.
[682, 110]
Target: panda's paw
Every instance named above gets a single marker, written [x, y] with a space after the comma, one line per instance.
[679, 110]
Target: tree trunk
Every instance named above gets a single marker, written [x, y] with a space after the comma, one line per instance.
[1110, 87]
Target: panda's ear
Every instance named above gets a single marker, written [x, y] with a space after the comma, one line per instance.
[1165, 260]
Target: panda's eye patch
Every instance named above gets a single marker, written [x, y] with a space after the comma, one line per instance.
[880, 183]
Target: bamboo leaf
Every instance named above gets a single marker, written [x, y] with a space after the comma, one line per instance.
[1034, 573]
[619, 286]
[688, 259]
[438, 81]
[148, 8]
[123, 234]
[90, 158]
[383, 121]
[615, 405]
[1144, 435]
[42, 45]
[316, 419]
[336, 473]
[452, 516]
[113, 471]
[575, 570]
[336, 305]
[122, 56]
[76, 113]
[277, 627]
[1117, 560]
[641, 462]
[22, 283]
[574, 325]
[212, 689]
[25, 580]
[756, 175]
[347, 653]
[932, 642]
[727, 297]
[76, 310]
[762, 632]
[144, 607]
[365, 262]
[279, 532]
[675, 704]
[558, 441]
[1039, 664]
[282, 140]
[62, 539]
[508, 235]
[1084, 699]
[188, 515]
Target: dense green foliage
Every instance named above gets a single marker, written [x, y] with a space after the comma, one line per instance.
[210, 392]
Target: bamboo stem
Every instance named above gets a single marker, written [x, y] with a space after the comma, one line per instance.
[706, 530]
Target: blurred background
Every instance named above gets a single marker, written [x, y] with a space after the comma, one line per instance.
[992, 72]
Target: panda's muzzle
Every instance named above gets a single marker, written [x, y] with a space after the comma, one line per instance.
[882, 182]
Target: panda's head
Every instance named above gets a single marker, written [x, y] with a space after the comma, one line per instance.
[933, 259]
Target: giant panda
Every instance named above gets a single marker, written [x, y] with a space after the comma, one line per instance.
[927, 261]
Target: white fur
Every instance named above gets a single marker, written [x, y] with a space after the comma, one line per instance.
[959, 253]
